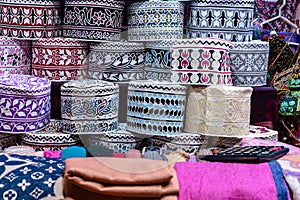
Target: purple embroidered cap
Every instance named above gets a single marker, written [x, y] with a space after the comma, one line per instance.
[24, 103]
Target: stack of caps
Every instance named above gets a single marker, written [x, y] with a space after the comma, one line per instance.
[30, 19]
[89, 107]
[158, 23]
[232, 21]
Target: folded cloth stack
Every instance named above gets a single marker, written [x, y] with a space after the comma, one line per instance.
[109, 178]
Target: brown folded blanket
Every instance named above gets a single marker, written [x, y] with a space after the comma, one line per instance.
[119, 178]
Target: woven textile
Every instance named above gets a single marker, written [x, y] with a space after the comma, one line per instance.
[217, 110]
[293, 38]
[280, 55]
[28, 177]
[119, 178]
[267, 9]
[297, 13]
[291, 170]
[219, 181]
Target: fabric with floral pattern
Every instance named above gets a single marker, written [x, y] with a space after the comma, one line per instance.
[28, 177]
[290, 165]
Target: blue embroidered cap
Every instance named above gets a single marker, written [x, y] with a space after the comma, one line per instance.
[155, 20]
[89, 107]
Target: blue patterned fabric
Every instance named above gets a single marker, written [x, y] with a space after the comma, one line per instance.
[28, 177]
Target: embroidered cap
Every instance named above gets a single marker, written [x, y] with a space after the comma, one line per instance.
[155, 20]
[30, 19]
[15, 56]
[249, 63]
[89, 107]
[155, 108]
[59, 59]
[230, 20]
[50, 138]
[116, 61]
[24, 103]
[201, 61]
[93, 20]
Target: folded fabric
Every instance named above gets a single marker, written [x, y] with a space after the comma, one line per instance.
[110, 178]
[154, 153]
[219, 181]
[290, 165]
[133, 153]
[119, 155]
[176, 156]
[99, 151]
[52, 154]
[73, 152]
[28, 177]
[264, 107]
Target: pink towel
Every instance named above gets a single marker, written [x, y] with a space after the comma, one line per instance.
[52, 154]
[234, 181]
